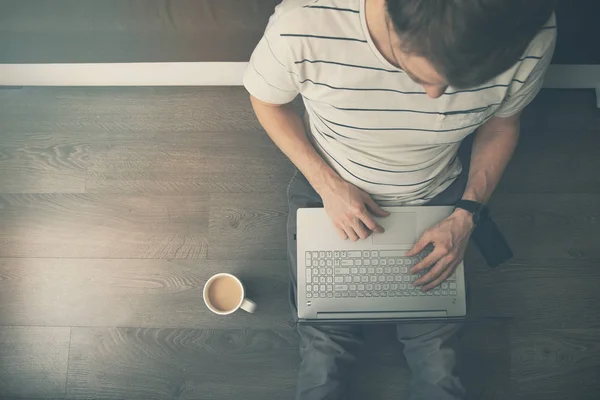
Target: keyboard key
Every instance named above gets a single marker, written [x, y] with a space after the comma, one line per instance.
[329, 254]
[389, 278]
[379, 270]
[322, 288]
[362, 270]
[321, 263]
[344, 254]
[369, 286]
[329, 271]
[330, 279]
[371, 270]
[351, 294]
[375, 294]
[377, 286]
[384, 293]
[391, 253]
[329, 263]
[444, 293]
[398, 278]
[365, 253]
[421, 293]
[406, 278]
[406, 293]
[452, 285]
[396, 270]
[437, 292]
[321, 254]
[391, 261]
[337, 294]
[364, 278]
[340, 288]
[352, 287]
[394, 286]
[404, 270]
[344, 294]
[308, 295]
[354, 270]
[356, 278]
[452, 277]
[414, 293]
[382, 261]
[336, 262]
[308, 275]
[399, 261]
[322, 295]
[329, 288]
[339, 279]
[347, 263]
[330, 295]
[381, 278]
[354, 254]
[368, 294]
[399, 294]
[336, 254]
[308, 262]
[315, 254]
[403, 286]
[430, 293]
[347, 278]
[361, 294]
[308, 288]
[444, 285]
[367, 262]
[373, 278]
[374, 254]
[358, 262]
[315, 271]
[386, 286]
[342, 271]
[315, 288]
[360, 287]
[452, 292]
[322, 279]
[374, 261]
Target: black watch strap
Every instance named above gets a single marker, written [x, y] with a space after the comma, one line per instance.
[480, 211]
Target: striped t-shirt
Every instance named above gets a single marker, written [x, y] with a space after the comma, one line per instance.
[369, 121]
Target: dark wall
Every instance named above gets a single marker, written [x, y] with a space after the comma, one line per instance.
[63, 31]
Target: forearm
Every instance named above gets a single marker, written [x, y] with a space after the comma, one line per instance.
[284, 126]
[493, 148]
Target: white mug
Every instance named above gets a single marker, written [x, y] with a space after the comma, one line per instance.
[243, 303]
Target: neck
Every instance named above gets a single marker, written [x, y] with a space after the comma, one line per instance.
[376, 16]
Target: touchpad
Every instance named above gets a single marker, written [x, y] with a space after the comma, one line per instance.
[400, 229]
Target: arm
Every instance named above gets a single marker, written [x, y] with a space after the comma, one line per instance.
[347, 206]
[493, 147]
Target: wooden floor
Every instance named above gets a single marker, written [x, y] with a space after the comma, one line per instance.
[116, 205]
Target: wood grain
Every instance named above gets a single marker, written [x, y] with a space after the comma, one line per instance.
[104, 226]
[133, 363]
[248, 227]
[190, 162]
[33, 362]
[141, 293]
[554, 364]
[106, 110]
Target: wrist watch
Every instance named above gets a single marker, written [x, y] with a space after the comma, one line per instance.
[479, 211]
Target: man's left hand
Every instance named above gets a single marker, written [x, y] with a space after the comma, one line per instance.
[450, 239]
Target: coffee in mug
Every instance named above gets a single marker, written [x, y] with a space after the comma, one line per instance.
[224, 294]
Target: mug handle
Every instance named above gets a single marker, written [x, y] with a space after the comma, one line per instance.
[248, 305]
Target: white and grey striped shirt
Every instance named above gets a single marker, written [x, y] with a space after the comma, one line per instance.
[369, 121]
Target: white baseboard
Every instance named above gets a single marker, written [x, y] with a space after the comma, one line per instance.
[205, 74]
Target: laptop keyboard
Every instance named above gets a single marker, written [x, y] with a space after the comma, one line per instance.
[374, 273]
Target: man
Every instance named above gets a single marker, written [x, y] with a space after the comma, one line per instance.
[391, 89]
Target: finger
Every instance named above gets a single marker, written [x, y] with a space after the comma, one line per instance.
[434, 273]
[370, 223]
[351, 234]
[361, 230]
[420, 245]
[445, 275]
[374, 207]
[429, 261]
[341, 233]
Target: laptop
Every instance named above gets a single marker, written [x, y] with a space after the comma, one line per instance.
[369, 280]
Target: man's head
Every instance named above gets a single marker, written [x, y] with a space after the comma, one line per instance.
[462, 43]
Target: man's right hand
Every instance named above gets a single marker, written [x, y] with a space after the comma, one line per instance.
[350, 209]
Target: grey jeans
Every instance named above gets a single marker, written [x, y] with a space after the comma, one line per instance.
[328, 351]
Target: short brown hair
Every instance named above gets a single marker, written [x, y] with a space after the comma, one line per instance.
[469, 42]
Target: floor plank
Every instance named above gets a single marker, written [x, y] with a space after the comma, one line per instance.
[132, 363]
[140, 293]
[104, 226]
[554, 364]
[248, 226]
[33, 362]
[114, 110]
